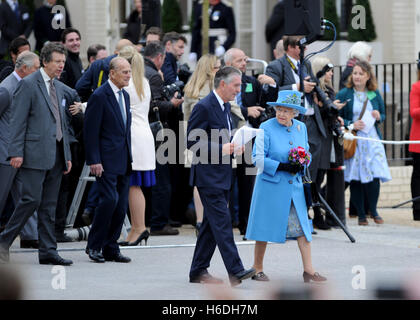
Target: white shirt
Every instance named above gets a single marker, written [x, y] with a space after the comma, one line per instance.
[46, 78]
[117, 95]
[309, 110]
[12, 4]
[17, 76]
[223, 108]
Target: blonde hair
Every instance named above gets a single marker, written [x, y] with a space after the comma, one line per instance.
[318, 63]
[203, 72]
[137, 68]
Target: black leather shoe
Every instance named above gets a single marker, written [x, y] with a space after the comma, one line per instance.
[175, 224]
[29, 244]
[63, 238]
[87, 217]
[56, 260]
[244, 274]
[205, 278]
[165, 231]
[118, 258]
[95, 255]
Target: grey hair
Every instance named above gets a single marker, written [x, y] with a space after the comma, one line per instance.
[360, 50]
[115, 63]
[226, 74]
[26, 58]
[50, 47]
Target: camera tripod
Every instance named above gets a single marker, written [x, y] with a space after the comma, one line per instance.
[319, 201]
[405, 202]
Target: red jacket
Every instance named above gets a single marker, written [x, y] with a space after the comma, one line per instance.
[415, 114]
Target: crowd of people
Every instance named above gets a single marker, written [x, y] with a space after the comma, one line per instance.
[55, 117]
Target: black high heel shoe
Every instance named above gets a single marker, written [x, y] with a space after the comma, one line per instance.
[144, 236]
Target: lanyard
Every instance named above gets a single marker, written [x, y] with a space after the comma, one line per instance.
[292, 65]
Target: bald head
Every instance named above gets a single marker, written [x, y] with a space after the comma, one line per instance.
[121, 44]
[236, 58]
[120, 72]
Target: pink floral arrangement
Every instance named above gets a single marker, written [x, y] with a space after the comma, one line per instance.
[299, 156]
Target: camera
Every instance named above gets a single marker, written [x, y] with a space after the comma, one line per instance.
[332, 112]
[184, 73]
[169, 90]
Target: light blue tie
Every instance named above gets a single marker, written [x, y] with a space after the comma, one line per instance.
[122, 109]
[239, 99]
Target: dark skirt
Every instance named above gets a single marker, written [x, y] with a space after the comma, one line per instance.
[143, 178]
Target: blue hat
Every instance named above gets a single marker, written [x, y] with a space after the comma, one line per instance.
[290, 99]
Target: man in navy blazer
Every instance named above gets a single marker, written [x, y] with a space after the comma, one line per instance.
[209, 133]
[108, 153]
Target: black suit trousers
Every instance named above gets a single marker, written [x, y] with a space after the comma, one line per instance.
[216, 229]
[110, 213]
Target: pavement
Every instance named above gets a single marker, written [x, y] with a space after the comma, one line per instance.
[383, 256]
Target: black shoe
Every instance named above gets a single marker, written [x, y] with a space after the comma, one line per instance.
[166, 231]
[87, 217]
[206, 278]
[191, 216]
[56, 260]
[95, 255]
[118, 258]
[63, 238]
[144, 236]
[244, 274]
[175, 224]
[29, 244]
[319, 223]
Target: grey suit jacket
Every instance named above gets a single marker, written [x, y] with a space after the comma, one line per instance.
[282, 73]
[7, 87]
[33, 126]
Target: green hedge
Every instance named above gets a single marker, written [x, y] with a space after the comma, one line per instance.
[367, 34]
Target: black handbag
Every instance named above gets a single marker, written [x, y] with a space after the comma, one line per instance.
[157, 129]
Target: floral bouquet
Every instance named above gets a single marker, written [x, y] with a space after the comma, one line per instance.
[298, 156]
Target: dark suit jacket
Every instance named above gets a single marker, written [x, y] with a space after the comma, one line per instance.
[90, 78]
[107, 140]
[11, 27]
[274, 28]
[33, 126]
[207, 115]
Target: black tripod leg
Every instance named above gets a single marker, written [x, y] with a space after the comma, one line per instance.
[405, 202]
[331, 212]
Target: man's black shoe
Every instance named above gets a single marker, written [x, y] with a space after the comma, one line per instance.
[95, 255]
[56, 260]
[205, 278]
[118, 258]
[175, 224]
[320, 223]
[236, 279]
[63, 238]
[166, 231]
[87, 217]
[29, 244]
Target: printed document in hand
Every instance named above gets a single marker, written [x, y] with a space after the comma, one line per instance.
[369, 122]
[243, 135]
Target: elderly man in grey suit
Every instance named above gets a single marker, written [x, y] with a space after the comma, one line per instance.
[39, 148]
[26, 64]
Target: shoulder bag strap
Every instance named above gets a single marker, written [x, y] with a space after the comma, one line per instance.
[363, 109]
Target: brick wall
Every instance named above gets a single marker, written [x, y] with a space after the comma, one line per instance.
[395, 191]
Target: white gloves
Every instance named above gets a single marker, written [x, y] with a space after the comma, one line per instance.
[193, 57]
[220, 51]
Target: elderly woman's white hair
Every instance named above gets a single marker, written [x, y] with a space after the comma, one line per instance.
[361, 51]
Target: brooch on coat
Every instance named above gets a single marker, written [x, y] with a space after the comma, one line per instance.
[298, 127]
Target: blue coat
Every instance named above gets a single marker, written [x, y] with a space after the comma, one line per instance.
[274, 190]
[107, 140]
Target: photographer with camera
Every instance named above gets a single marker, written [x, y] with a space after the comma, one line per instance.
[332, 156]
[154, 55]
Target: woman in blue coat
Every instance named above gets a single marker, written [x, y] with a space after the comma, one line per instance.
[278, 207]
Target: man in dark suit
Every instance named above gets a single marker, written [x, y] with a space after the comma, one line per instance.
[222, 29]
[274, 28]
[17, 46]
[97, 74]
[26, 64]
[211, 172]
[283, 74]
[39, 148]
[108, 153]
[14, 22]
[154, 55]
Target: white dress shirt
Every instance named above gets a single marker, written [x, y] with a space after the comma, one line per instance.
[223, 109]
[117, 95]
